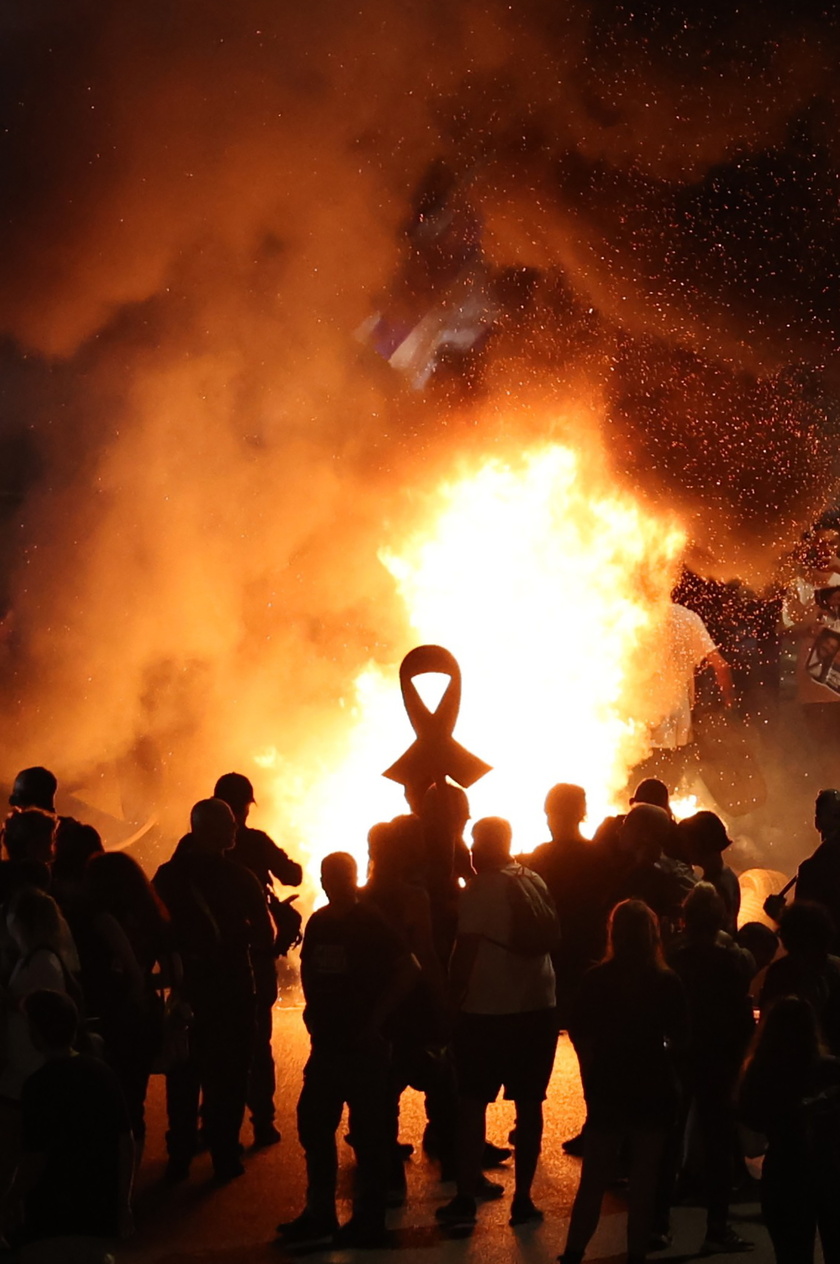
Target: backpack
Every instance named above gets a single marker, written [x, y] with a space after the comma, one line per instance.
[534, 927]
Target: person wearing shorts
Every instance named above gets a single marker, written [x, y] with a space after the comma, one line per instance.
[506, 1028]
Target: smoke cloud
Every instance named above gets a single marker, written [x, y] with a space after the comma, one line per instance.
[201, 202]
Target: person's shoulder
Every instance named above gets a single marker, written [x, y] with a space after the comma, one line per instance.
[668, 979]
[256, 839]
[541, 855]
[70, 1075]
[685, 616]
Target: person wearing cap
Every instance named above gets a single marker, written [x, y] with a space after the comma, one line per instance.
[706, 841]
[34, 788]
[255, 851]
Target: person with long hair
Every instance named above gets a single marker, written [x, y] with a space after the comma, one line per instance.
[135, 963]
[629, 1024]
[790, 1092]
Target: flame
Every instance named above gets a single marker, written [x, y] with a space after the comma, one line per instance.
[542, 579]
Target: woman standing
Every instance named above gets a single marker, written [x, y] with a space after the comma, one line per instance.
[629, 1024]
[135, 964]
[790, 1091]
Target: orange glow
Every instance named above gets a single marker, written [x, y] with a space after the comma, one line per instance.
[542, 579]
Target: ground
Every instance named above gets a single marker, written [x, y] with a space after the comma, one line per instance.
[199, 1224]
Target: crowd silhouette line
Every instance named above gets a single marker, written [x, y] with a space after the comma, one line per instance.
[453, 969]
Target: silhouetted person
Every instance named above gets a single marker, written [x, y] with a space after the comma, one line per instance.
[73, 1184]
[444, 816]
[685, 646]
[790, 1092]
[45, 958]
[73, 846]
[418, 1028]
[762, 944]
[567, 868]
[647, 835]
[818, 879]
[132, 932]
[716, 976]
[355, 971]
[651, 791]
[706, 840]
[254, 850]
[612, 849]
[506, 1029]
[28, 844]
[34, 788]
[221, 926]
[630, 1022]
[809, 970]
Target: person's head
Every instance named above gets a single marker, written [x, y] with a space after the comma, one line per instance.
[52, 1019]
[234, 789]
[827, 645]
[760, 941]
[806, 930]
[827, 812]
[828, 599]
[395, 849]
[704, 912]
[120, 887]
[34, 788]
[633, 935]
[492, 837]
[212, 826]
[654, 792]
[340, 879]
[565, 808]
[74, 845]
[705, 837]
[28, 835]
[646, 832]
[447, 808]
[34, 921]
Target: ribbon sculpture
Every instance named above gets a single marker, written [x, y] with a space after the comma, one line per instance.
[435, 755]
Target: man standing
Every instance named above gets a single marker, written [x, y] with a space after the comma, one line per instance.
[355, 970]
[566, 867]
[255, 851]
[818, 879]
[506, 1031]
[686, 645]
[222, 931]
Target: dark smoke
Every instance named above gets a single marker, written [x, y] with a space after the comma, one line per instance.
[202, 201]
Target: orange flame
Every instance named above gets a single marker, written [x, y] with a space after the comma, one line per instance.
[542, 579]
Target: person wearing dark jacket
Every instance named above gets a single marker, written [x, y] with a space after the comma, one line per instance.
[790, 1092]
[355, 972]
[223, 932]
[818, 879]
[256, 852]
[630, 1024]
[716, 975]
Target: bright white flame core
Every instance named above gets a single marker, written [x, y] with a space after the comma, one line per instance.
[541, 580]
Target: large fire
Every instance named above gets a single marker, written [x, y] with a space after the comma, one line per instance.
[542, 579]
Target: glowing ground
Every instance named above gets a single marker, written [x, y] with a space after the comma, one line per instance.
[198, 1224]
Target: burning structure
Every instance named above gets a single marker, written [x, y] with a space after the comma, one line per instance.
[227, 518]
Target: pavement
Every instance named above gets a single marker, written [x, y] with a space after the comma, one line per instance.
[198, 1223]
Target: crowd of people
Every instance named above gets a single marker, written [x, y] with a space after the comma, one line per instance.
[452, 970]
